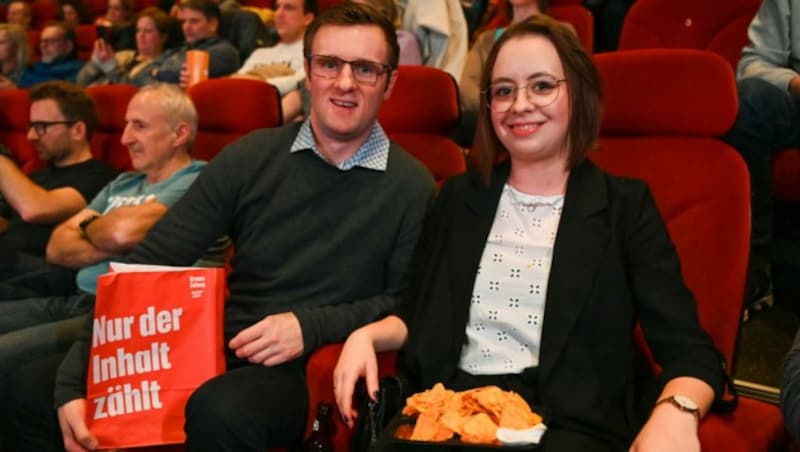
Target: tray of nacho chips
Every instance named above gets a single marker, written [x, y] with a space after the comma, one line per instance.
[477, 418]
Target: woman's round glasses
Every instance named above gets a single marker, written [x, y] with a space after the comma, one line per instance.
[541, 91]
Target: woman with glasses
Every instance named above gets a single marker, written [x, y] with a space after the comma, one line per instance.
[153, 28]
[533, 269]
[14, 54]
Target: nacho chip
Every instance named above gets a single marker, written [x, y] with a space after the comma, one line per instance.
[479, 429]
[426, 427]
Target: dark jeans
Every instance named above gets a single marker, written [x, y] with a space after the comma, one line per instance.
[790, 390]
[768, 121]
[37, 327]
[27, 276]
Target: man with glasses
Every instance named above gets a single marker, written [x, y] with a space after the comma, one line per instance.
[58, 61]
[324, 216]
[62, 119]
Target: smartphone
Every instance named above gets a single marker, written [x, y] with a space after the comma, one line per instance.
[103, 32]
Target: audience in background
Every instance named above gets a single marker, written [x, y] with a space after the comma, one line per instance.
[410, 53]
[58, 60]
[19, 12]
[441, 30]
[469, 83]
[153, 28]
[118, 19]
[62, 120]
[768, 77]
[200, 22]
[245, 30]
[15, 52]
[282, 65]
[74, 13]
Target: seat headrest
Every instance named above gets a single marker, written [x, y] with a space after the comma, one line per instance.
[424, 100]
[236, 105]
[14, 109]
[667, 91]
[112, 103]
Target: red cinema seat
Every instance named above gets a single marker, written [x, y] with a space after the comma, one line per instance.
[229, 108]
[14, 116]
[664, 113]
[716, 25]
[420, 115]
[44, 11]
[111, 102]
[85, 36]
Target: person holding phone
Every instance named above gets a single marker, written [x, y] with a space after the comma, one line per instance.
[128, 66]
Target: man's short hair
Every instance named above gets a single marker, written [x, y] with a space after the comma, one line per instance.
[72, 100]
[69, 35]
[176, 105]
[347, 14]
[208, 8]
[310, 6]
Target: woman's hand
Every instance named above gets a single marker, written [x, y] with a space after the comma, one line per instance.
[668, 429]
[102, 52]
[356, 360]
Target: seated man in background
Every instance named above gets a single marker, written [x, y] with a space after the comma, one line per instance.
[769, 120]
[58, 62]
[19, 12]
[161, 126]
[282, 64]
[324, 216]
[62, 120]
[200, 23]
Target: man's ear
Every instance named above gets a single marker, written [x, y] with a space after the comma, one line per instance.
[308, 18]
[78, 131]
[182, 133]
[214, 22]
[390, 84]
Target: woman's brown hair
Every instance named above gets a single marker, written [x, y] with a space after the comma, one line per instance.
[583, 85]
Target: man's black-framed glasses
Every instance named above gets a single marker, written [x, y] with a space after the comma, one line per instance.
[541, 91]
[40, 127]
[329, 67]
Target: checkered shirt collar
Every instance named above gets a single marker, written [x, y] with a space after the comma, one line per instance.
[373, 154]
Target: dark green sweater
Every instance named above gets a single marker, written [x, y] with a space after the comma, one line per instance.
[331, 246]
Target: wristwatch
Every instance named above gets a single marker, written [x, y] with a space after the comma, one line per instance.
[84, 224]
[682, 403]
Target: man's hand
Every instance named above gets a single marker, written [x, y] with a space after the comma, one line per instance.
[77, 437]
[794, 87]
[274, 340]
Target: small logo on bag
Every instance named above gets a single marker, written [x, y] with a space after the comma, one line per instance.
[197, 285]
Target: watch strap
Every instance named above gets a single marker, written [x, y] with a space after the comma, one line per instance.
[672, 400]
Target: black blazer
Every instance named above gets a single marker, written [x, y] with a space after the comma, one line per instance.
[613, 265]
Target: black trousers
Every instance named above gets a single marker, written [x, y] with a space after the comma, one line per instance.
[249, 408]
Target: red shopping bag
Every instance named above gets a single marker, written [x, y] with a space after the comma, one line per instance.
[157, 336]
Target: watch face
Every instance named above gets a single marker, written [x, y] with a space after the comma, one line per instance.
[685, 402]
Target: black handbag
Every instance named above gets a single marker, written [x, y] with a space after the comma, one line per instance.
[373, 416]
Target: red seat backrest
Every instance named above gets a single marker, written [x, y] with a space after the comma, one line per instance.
[664, 114]
[229, 108]
[14, 116]
[85, 36]
[716, 25]
[420, 114]
[112, 103]
[44, 11]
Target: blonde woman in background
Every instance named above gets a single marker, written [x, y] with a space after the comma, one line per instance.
[15, 53]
